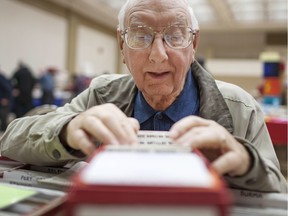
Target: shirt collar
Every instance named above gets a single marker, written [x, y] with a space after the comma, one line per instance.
[187, 103]
[180, 108]
[142, 110]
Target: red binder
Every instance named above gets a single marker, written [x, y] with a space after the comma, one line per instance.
[100, 190]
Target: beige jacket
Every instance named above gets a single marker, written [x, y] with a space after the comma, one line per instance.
[34, 139]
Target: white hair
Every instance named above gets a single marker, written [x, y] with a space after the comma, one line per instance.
[123, 10]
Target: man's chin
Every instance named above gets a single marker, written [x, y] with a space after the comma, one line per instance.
[158, 93]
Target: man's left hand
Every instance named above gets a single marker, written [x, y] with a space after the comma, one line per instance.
[228, 155]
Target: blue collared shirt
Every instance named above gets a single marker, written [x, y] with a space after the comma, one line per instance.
[187, 103]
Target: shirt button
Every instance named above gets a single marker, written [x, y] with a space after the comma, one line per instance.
[159, 116]
[56, 154]
[251, 181]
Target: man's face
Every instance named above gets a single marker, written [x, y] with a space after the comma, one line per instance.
[159, 71]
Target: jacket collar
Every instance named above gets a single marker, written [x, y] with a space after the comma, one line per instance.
[212, 103]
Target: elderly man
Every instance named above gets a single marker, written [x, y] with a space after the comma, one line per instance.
[167, 90]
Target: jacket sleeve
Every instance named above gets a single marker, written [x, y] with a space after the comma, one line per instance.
[34, 139]
[250, 130]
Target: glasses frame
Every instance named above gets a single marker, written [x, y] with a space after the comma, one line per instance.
[190, 30]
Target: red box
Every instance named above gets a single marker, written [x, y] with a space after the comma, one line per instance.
[126, 198]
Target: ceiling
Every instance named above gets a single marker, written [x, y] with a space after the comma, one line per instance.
[266, 15]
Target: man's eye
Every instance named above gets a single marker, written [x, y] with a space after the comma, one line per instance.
[140, 37]
[174, 37]
[177, 36]
[144, 37]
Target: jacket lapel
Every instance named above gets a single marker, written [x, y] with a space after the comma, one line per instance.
[212, 103]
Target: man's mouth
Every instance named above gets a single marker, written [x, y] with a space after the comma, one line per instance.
[158, 75]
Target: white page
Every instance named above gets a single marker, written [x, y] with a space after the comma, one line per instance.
[147, 168]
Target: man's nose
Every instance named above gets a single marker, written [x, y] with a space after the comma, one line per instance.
[158, 51]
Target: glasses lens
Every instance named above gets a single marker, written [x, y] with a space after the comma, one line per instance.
[178, 36]
[139, 37]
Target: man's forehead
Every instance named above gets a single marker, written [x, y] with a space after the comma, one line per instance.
[158, 5]
[159, 20]
[161, 2]
[174, 11]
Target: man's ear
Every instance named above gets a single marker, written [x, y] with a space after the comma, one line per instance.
[196, 39]
[120, 40]
[120, 44]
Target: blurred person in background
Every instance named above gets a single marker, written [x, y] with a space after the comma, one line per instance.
[47, 83]
[77, 84]
[5, 100]
[81, 82]
[23, 82]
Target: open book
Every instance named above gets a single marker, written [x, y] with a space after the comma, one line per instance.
[162, 179]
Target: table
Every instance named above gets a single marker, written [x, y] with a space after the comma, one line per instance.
[277, 128]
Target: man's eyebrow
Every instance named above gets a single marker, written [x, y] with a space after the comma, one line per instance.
[135, 20]
[181, 19]
[134, 24]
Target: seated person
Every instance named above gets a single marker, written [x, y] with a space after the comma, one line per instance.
[166, 90]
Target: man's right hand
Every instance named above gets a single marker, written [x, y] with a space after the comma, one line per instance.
[105, 123]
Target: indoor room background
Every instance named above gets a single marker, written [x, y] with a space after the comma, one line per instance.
[79, 37]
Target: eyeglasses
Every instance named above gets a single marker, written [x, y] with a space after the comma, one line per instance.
[141, 37]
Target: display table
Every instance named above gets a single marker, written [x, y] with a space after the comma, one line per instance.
[277, 128]
[276, 120]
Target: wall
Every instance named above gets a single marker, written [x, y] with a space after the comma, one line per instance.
[233, 56]
[42, 34]
[96, 52]
[30, 35]
[246, 73]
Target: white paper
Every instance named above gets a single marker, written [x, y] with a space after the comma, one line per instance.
[147, 168]
[154, 137]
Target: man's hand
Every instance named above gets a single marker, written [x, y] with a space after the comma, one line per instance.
[230, 157]
[105, 123]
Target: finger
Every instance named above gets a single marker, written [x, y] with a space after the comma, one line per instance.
[135, 127]
[135, 124]
[119, 124]
[80, 140]
[191, 136]
[185, 124]
[99, 130]
[201, 137]
[228, 163]
[122, 129]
